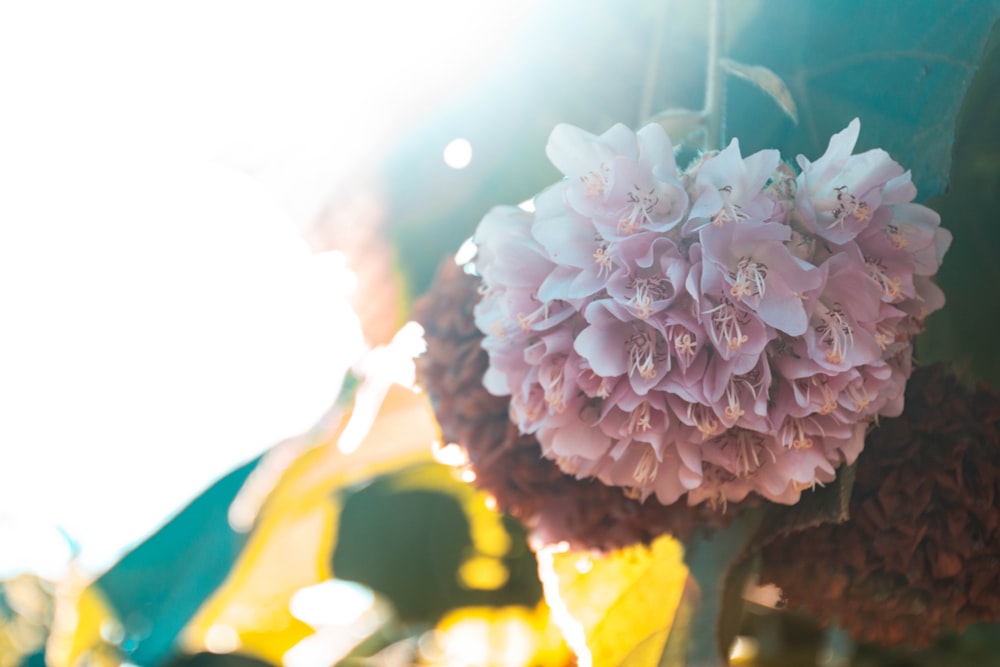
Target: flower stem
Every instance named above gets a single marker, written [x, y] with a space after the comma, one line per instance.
[653, 62]
[715, 77]
[718, 570]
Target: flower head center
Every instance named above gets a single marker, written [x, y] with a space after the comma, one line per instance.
[647, 290]
[847, 206]
[641, 349]
[859, 395]
[729, 212]
[748, 279]
[726, 324]
[704, 421]
[746, 447]
[645, 470]
[639, 419]
[891, 286]
[834, 330]
[793, 435]
[884, 336]
[733, 409]
[528, 321]
[897, 236]
[604, 389]
[642, 206]
[594, 183]
[685, 345]
[603, 259]
[829, 398]
[552, 377]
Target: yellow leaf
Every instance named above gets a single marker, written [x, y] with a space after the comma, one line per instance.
[619, 608]
[82, 617]
[295, 530]
[498, 637]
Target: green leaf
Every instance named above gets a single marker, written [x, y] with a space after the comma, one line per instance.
[902, 69]
[408, 534]
[406, 546]
[964, 332]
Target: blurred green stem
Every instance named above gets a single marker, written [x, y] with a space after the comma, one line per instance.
[837, 649]
[715, 621]
[653, 63]
[715, 78]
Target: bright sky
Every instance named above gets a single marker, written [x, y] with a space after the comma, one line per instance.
[161, 320]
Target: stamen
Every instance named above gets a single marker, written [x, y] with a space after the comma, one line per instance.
[891, 287]
[632, 492]
[704, 421]
[567, 464]
[897, 236]
[497, 330]
[645, 470]
[641, 347]
[526, 321]
[753, 380]
[594, 184]
[829, 398]
[684, 345]
[552, 378]
[884, 336]
[793, 435]
[725, 319]
[860, 398]
[729, 212]
[629, 224]
[531, 411]
[604, 390]
[836, 332]
[748, 280]
[713, 475]
[647, 290]
[638, 419]
[847, 206]
[746, 447]
[603, 259]
[643, 205]
[733, 410]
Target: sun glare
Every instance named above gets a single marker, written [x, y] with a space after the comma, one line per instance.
[163, 319]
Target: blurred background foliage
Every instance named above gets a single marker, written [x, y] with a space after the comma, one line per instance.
[436, 576]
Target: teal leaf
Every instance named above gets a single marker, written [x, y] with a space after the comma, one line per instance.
[965, 331]
[903, 69]
[158, 586]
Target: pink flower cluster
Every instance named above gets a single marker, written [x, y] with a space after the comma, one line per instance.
[725, 329]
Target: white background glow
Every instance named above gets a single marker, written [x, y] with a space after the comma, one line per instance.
[160, 318]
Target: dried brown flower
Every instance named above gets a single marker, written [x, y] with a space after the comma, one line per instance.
[554, 506]
[921, 551]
